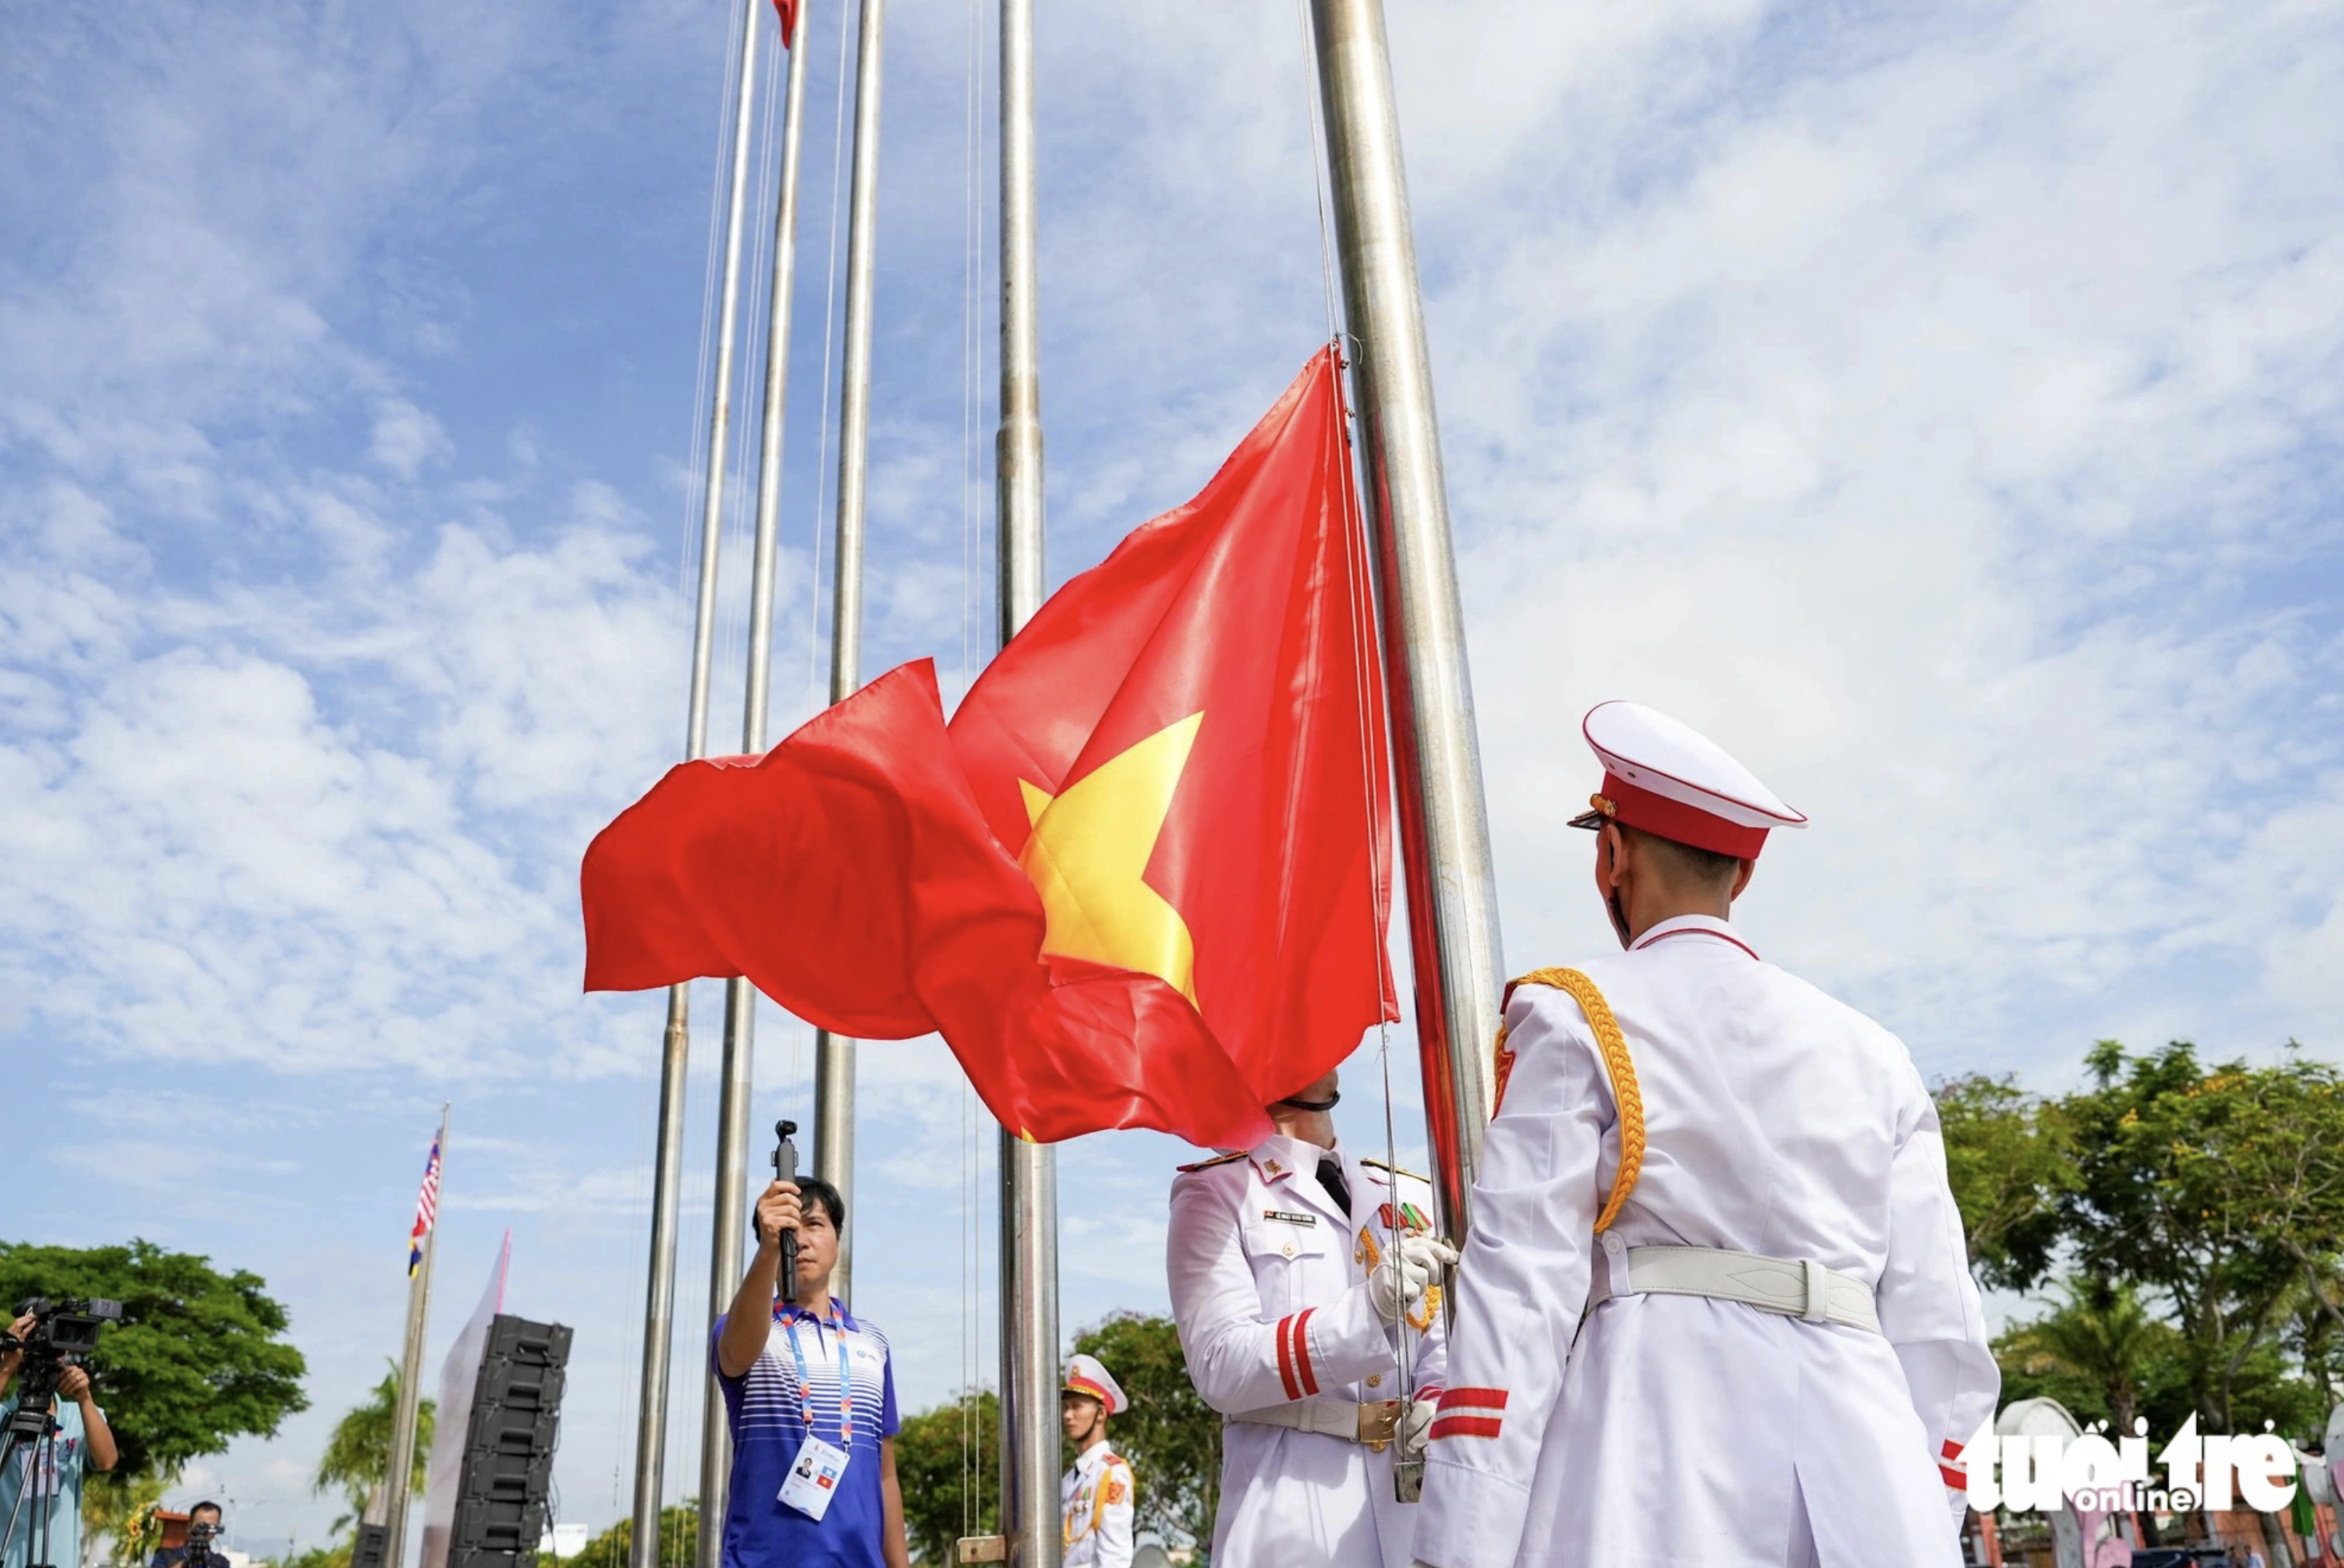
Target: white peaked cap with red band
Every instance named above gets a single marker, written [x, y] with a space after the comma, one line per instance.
[1087, 1375]
[1675, 782]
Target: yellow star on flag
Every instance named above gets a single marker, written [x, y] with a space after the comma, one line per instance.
[1088, 853]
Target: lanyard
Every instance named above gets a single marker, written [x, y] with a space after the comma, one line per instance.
[805, 1380]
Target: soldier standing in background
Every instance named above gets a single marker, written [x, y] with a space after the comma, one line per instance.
[1099, 1494]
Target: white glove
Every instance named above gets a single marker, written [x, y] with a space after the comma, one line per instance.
[1406, 1272]
[1414, 1423]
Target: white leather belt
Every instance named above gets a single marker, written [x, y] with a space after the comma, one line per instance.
[1372, 1424]
[1804, 1289]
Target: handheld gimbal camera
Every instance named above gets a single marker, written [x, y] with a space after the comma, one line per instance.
[786, 1168]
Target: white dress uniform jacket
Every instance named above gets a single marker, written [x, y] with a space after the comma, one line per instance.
[1097, 1499]
[1681, 1429]
[1269, 1290]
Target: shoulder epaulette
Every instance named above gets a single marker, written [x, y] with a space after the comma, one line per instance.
[1208, 1164]
[1396, 1170]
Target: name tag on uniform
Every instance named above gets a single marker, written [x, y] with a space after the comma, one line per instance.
[812, 1479]
[1284, 1218]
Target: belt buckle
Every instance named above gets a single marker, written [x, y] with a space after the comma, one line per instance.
[1379, 1424]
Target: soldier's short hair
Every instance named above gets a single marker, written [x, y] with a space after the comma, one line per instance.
[1705, 866]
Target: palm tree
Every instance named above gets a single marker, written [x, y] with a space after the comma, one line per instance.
[2104, 1333]
[357, 1454]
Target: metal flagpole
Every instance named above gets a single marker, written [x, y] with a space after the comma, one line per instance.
[1029, 1171]
[1452, 903]
[667, 1164]
[411, 1373]
[834, 1058]
[735, 1079]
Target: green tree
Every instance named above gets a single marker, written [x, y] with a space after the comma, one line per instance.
[123, 1515]
[2316, 1338]
[2104, 1337]
[198, 1358]
[678, 1540]
[357, 1454]
[2222, 1191]
[2010, 1157]
[1172, 1438]
[946, 1460]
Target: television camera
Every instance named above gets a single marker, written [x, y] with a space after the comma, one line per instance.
[62, 1333]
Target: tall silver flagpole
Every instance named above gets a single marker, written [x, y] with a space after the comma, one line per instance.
[1029, 1171]
[1444, 834]
[403, 1421]
[667, 1164]
[735, 1079]
[834, 1058]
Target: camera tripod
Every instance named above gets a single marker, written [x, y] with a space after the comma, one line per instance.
[39, 1450]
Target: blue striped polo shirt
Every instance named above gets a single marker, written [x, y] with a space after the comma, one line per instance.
[767, 1414]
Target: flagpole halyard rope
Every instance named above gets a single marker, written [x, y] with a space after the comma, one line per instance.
[1366, 656]
[1318, 166]
[829, 336]
[972, 1160]
[695, 473]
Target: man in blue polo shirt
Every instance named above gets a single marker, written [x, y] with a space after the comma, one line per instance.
[810, 1393]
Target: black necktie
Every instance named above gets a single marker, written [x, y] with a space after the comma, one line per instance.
[1330, 1177]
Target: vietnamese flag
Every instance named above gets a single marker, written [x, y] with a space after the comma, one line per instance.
[789, 10]
[1144, 878]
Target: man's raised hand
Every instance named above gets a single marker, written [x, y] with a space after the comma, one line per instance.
[778, 1209]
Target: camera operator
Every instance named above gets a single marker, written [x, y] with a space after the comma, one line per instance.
[40, 1486]
[810, 1392]
[203, 1529]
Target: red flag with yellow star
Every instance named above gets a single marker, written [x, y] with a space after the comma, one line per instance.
[1143, 881]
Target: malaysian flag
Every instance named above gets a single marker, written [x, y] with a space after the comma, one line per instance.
[427, 1210]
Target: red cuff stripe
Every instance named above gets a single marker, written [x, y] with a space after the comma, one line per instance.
[1952, 1452]
[1954, 1479]
[1492, 1399]
[1302, 1351]
[1465, 1426]
[1285, 1358]
[1430, 1392]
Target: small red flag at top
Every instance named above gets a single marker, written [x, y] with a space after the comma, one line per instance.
[1142, 880]
[789, 10]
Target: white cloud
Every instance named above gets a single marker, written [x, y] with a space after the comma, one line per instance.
[406, 438]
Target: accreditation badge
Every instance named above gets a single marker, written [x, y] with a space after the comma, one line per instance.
[813, 1477]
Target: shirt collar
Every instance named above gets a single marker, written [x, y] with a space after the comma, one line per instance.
[1093, 1457]
[789, 1312]
[1292, 1155]
[1692, 925]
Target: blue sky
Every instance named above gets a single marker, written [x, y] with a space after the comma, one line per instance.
[1937, 405]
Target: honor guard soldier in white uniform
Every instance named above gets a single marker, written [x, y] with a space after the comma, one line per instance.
[1301, 1276]
[1097, 1496]
[1714, 1307]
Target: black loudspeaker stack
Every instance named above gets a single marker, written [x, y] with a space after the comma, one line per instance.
[500, 1494]
[373, 1545]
